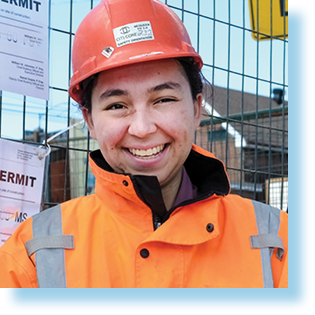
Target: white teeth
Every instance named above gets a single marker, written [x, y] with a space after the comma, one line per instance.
[147, 153]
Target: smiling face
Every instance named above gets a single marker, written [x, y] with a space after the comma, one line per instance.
[143, 117]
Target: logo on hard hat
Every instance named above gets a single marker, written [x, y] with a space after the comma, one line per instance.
[125, 30]
[133, 33]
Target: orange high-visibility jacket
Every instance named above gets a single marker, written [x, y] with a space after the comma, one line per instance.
[216, 240]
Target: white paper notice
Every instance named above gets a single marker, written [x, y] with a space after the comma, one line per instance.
[24, 47]
[21, 184]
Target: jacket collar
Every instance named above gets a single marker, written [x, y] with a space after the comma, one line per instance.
[206, 172]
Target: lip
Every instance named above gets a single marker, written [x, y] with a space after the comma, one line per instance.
[148, 161]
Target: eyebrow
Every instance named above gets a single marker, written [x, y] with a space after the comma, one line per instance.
[113, 92]
[167, 85]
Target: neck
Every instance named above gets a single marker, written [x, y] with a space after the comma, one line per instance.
[170, 190]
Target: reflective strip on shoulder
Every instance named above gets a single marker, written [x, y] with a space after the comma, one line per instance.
[268, 223]
[49, 244]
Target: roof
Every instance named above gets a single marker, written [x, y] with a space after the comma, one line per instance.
[264, 121]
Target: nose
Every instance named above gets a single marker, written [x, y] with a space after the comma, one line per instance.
[142, 124]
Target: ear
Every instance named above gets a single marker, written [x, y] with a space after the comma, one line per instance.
[89, 121]
[197, 109]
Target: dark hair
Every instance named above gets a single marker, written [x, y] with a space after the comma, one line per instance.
[194, 76]
[87, 87]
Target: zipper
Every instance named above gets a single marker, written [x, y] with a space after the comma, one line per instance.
[155, 218]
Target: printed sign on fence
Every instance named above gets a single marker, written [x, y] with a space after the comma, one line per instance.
[24, 47]
[21, 184]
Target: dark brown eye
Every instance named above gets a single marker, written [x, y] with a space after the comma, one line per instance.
[166, 100]
[114, 106]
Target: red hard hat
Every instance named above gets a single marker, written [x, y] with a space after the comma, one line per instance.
[122, 32]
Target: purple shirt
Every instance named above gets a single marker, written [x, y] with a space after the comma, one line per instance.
[186, 190]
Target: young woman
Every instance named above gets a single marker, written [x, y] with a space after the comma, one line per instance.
[161, 215]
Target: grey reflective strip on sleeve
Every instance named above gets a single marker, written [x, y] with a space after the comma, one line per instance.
[50, 261]
[268, 241]
[268, 222]
[50, 241]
